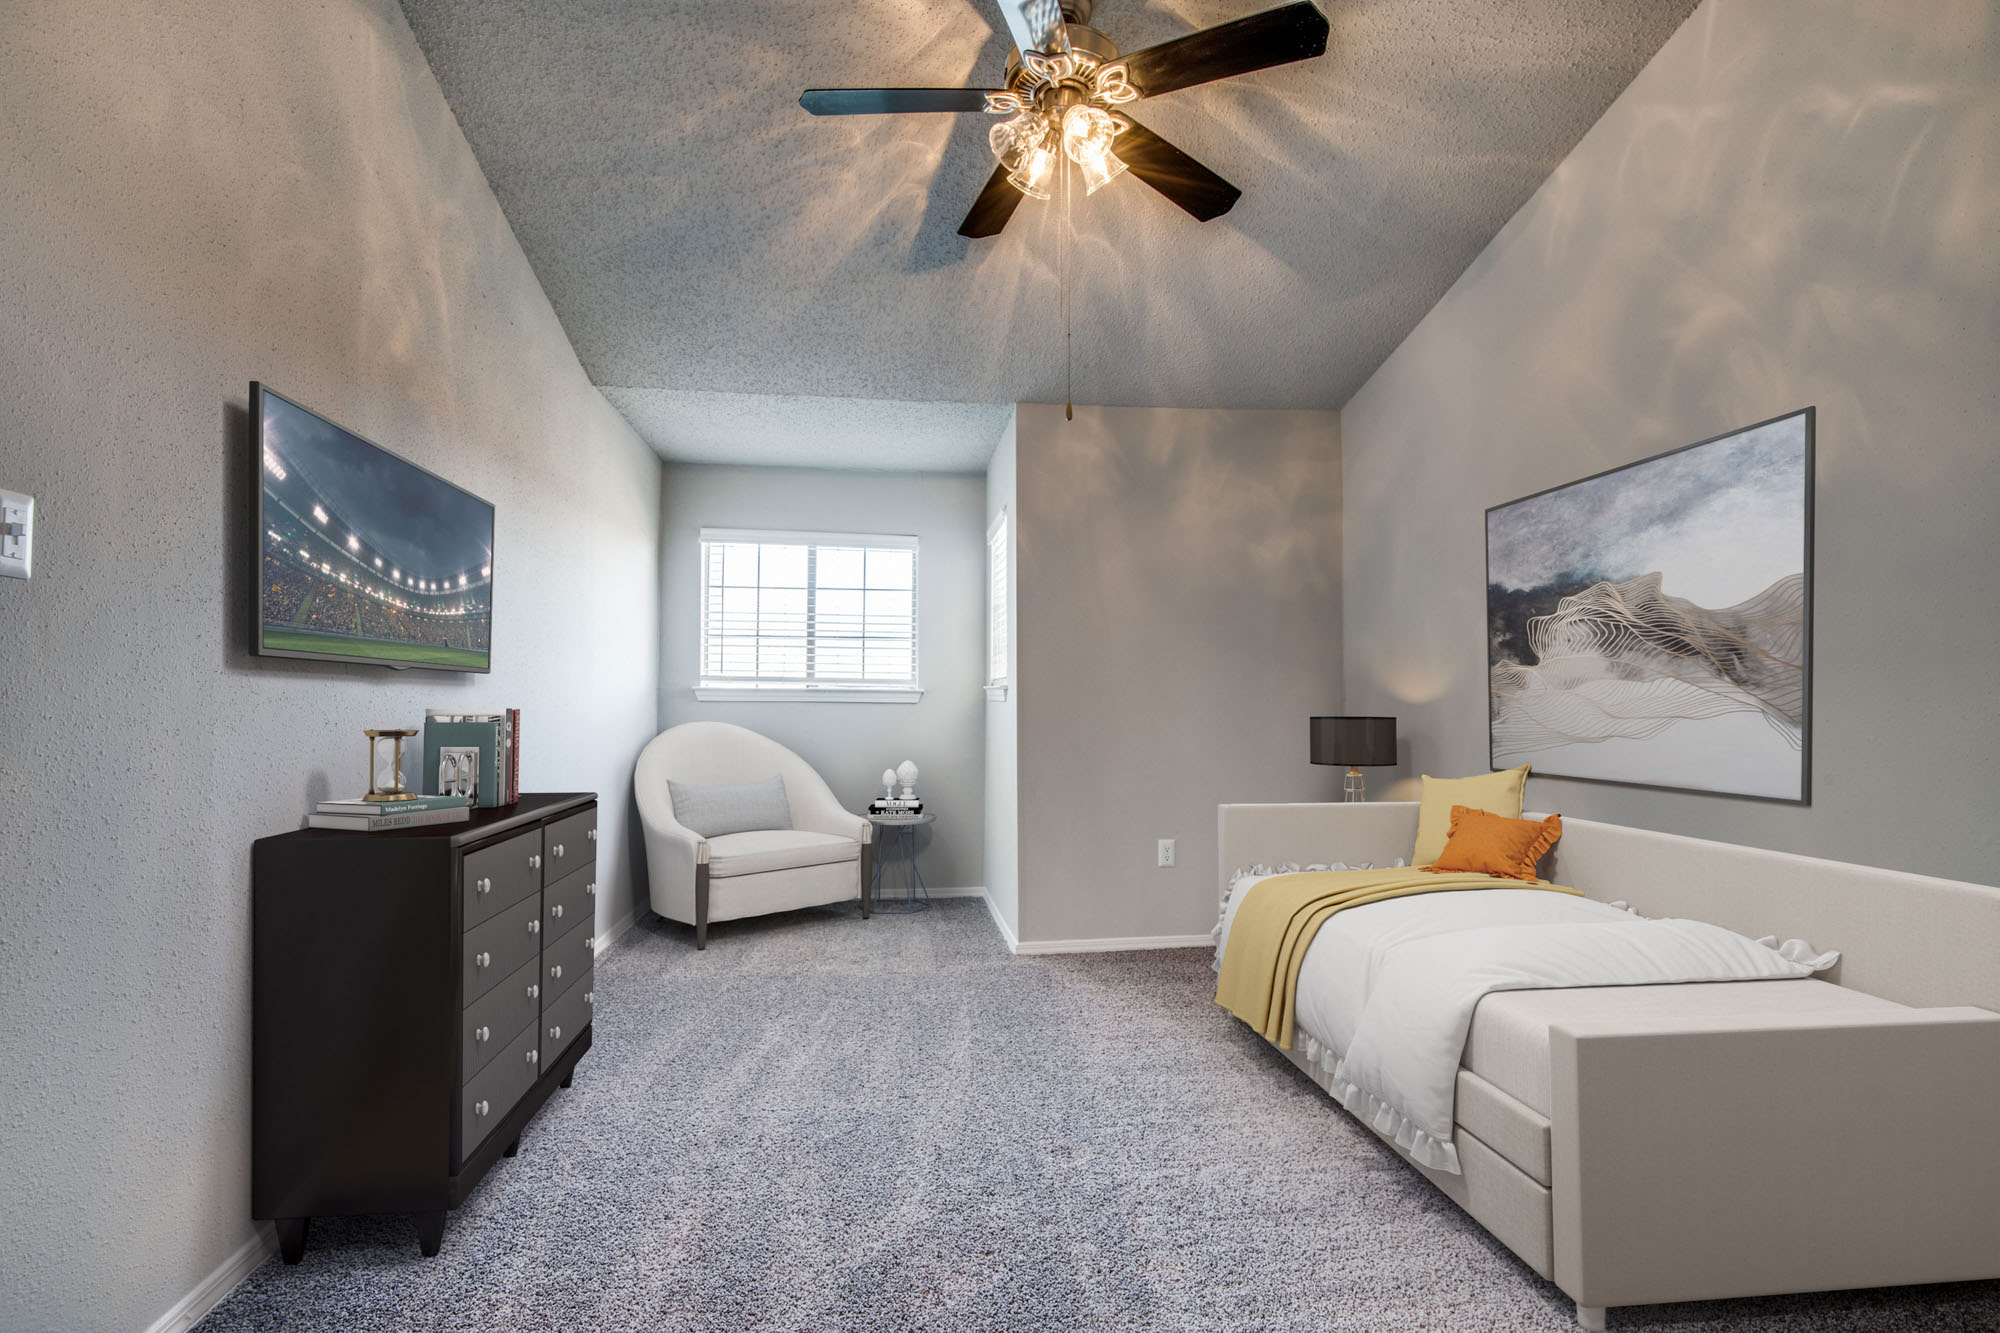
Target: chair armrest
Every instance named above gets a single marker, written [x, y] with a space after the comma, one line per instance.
[1699, 1159]
[672, 852]
[1310, 833]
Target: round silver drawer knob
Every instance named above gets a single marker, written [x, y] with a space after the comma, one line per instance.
[534, 1056]
[557, 849]
[481, 1108]
[534, 990]
[590, 997]
[485, 885]
[590, 943]
[592, 835]
[590, 889]
[481, 1034]
[555, 1033]
[556, 911]
[534, 927]
[555, 973]
[535, 861]
[483, 960]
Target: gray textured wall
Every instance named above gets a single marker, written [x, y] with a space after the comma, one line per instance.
[851, 743]
[1179, 622]
[1795, 203]
[1003, 768]
[197, 195]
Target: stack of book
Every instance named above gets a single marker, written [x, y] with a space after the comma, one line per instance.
[896, 807]
[364, 816]
[473, 753]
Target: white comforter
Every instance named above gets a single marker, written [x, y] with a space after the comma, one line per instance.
[1390, 987]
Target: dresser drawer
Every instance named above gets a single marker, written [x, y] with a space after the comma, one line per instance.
[495, 878]
[569, 904]
[569, 1017]
[566, 962]
[571, 845]
[504, 1010]
[485, 1101]
[498, 948]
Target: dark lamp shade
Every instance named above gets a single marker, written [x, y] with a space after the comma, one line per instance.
[1366, 742]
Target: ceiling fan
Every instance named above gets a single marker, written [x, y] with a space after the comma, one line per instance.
[1064, 80]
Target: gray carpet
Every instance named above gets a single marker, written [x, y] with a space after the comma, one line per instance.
[825, 1123]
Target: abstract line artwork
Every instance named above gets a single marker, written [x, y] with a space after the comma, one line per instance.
[1652, 624]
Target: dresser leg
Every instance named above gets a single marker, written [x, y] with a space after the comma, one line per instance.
[512, 1148]
[430, 1231]
[292, 1238]
[567, 1077]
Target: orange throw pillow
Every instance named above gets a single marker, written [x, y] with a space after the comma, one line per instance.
[1491, 845]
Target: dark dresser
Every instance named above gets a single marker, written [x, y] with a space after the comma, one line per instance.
[416, 996]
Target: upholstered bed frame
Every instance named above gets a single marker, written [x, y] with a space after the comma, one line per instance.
[1735, 1156]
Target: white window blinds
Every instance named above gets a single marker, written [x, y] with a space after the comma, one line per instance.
[808, 611]
[996, 607]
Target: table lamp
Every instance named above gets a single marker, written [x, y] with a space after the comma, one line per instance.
[1358, 742]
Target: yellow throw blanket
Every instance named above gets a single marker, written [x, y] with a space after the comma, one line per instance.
[1276, 923]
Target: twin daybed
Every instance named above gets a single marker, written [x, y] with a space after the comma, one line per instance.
[1649, 1143]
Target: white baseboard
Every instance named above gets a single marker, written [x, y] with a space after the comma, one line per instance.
[1006, 931]
[963, 891]
[1116, 945]
[614, 932]
[212, 1290]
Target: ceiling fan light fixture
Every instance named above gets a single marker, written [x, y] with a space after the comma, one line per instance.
[1031, 177]
[1088, 134]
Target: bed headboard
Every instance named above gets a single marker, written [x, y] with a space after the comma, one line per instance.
[1909, 938]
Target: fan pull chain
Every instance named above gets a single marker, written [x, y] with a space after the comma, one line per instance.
[1062, 279]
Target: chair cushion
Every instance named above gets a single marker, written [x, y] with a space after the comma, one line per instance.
[755, 852]
[715, 811]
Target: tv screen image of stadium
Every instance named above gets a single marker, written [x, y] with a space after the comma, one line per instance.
[363, 555]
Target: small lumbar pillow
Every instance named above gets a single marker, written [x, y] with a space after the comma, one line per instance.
[743, 808]
[1486, 844]
[1496, 794]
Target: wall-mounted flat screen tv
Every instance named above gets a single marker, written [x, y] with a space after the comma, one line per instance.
[363, 556]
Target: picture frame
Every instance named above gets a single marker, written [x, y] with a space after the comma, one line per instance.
[1651, 625]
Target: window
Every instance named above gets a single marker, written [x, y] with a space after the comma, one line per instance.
[996, 605]
[789, 615]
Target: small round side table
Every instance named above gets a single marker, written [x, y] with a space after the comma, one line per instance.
[897, 841]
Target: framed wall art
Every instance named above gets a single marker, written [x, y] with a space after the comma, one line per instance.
[1653, 624]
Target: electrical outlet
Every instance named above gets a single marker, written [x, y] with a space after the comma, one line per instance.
[17, 535]
[1167, 852]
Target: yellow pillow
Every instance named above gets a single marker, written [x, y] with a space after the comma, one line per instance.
[1496, 794]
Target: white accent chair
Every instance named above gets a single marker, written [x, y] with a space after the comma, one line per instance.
[825, 857]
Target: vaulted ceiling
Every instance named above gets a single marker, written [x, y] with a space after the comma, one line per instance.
[714, 251]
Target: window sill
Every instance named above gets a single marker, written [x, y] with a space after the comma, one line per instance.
[751, 694]
[996, 694]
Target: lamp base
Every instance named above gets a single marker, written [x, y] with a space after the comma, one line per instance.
[1355, 786]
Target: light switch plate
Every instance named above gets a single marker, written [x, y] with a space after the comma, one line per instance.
[17, 535]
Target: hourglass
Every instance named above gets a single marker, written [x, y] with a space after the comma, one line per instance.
[394, 789]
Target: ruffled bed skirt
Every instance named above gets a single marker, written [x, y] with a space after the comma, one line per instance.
[1324, 1063]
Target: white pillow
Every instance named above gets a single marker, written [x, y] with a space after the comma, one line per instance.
[742, 808]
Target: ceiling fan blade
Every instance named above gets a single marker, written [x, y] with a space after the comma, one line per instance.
[1274, 37]
[990, 211]
[890, 101]
[1045, 24]
[1035, 25]
[1174, 174]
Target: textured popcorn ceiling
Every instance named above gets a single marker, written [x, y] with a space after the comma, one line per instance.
[712, 249]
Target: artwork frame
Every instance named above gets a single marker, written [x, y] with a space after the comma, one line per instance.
[1650, 625]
